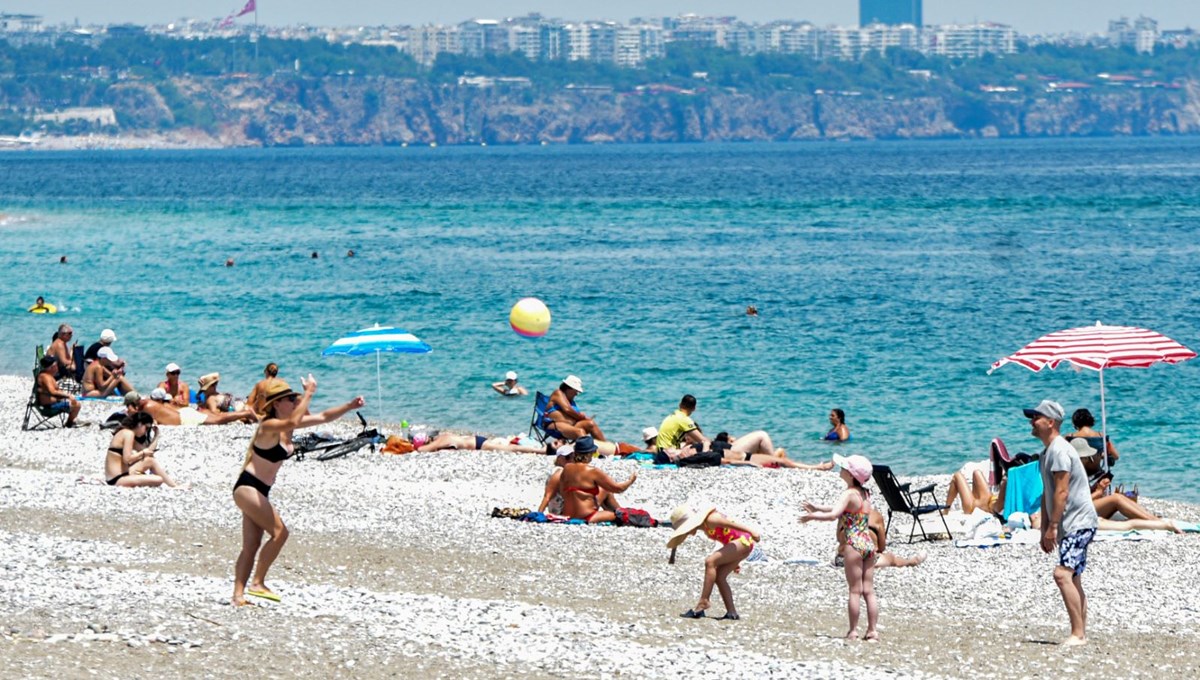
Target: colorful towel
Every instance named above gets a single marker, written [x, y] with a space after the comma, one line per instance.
[1023, 492]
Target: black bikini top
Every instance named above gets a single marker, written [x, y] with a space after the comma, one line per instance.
[275, 454]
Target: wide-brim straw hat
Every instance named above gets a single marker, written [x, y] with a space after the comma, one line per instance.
[685, 520]
[278, 389]
[208, 380]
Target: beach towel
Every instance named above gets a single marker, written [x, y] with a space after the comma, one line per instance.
[1024, 490]
[1034, 537]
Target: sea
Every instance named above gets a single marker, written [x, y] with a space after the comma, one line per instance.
[888, 276]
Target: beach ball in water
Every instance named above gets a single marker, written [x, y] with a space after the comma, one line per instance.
[529, 318]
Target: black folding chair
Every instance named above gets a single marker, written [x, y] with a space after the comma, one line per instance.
[40, 416]
[899, 499]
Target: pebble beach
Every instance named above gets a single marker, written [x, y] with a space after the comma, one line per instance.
[395, 567]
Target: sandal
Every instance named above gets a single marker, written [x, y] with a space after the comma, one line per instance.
[730, 616]
[693, 614]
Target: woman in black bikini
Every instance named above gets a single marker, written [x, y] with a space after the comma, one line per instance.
[286, 411]
[130, 460]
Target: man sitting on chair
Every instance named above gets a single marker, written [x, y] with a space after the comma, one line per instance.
[52, 400]
[567, 419]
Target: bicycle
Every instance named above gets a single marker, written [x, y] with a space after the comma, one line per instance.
[325, 447]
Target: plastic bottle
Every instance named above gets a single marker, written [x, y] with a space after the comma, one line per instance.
[404, 429]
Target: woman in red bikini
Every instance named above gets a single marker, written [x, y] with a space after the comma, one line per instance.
[584, 487]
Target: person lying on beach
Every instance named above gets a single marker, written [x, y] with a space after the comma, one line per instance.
[757, 449]
[476, 442]
[1107, 504]
[180, 393]
[883, 558]
[50, 396]
[976, 494]
[286, 412]
[509, 387]
[158, 405]
[581, 485]
[130, 459]
[105, 375]
[838, 431]
[567, 418]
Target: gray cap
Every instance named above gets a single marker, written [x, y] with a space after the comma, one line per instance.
[1051, 409]
[132, 398]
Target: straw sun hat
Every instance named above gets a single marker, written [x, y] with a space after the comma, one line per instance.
[277, 390]
[685, 520]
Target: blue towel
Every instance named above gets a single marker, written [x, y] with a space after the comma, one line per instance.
[1024, 490]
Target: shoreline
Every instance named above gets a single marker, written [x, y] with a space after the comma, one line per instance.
[395, 566]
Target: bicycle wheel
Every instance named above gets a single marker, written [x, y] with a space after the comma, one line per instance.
[342, 449]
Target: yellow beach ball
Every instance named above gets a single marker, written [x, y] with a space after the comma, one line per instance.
[530, 318]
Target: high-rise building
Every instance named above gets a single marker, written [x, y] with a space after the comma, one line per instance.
[892, 12]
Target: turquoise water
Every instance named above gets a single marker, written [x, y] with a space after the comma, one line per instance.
[888, 277]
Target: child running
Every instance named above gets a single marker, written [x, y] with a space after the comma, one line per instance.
[853, 511]
[737, 541]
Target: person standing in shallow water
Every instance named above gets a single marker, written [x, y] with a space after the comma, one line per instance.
[286, 412]
[1068, 517]
[838, 431]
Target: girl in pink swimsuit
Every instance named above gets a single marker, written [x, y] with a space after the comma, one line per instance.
[737, 541]
[852, 510]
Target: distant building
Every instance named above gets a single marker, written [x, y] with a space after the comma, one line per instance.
[20, 23]
[894, 12]
[970, 41]
[1141, 34]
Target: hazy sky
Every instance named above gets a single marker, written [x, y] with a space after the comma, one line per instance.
[1028, 16]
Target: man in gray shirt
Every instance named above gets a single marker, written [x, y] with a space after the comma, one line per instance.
[1068, 515]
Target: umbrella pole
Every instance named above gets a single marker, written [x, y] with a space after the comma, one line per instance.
[379, 391]
[1103, 425]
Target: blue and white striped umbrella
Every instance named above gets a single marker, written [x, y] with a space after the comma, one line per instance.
[377, 340]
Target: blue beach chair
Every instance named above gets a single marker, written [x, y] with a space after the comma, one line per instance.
[541, 428]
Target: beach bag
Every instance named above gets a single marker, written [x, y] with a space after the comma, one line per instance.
[703, 459]
[633, 517]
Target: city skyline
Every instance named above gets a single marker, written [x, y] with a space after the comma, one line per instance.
[1028, 16]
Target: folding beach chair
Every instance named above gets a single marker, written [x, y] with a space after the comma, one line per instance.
[899, 499]
[540, 427]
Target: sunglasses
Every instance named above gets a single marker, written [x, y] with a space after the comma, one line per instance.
[173, 372]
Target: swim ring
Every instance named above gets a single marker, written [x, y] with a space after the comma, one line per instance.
[44, 308]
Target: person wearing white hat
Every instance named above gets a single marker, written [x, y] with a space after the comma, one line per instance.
[737, 542]
[509, 387]
[105, 376]
[853, 514]
[107, 338]
[567, 419]
[172, 385]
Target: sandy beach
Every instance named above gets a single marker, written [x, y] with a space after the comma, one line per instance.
[395, 567]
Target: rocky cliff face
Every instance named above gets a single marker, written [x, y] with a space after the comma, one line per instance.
[339, 111]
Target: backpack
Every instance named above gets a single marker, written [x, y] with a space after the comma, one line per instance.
[633, 517]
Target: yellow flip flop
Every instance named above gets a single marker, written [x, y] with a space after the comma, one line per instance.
[264, 594]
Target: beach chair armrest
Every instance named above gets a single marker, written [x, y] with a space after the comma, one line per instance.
[904, 487]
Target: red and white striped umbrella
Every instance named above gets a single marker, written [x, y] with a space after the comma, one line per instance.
[1099, 347]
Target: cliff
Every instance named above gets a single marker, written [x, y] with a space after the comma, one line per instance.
[289, 110]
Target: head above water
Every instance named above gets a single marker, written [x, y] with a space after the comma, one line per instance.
[839, 414]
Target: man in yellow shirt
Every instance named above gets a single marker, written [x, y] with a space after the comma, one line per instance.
[678, 429]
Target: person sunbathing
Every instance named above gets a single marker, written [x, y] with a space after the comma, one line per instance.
[178, 389]
[105, 375]
[476, 442]
[158, 405]
[50, 397]
[582, 485]
[1107, 504]
[757, 449]
[130, 460]
[976, 494]
[567, 418]
[209, 399]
